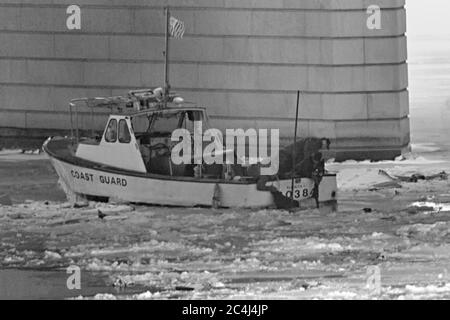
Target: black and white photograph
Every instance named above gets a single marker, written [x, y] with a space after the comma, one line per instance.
[224, 151]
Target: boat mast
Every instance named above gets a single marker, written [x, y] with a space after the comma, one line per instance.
[294, 148]
[166, 63]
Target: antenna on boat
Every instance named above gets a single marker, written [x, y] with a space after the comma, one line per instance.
[166, 63]
[71, 107]
[294, 149]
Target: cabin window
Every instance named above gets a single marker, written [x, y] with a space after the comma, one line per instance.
[111, 131]
[165, 123]
[124, 132]
[140, 124]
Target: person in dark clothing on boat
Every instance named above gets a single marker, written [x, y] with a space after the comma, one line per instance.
[309, 164]
[311, 167]
[305, 148]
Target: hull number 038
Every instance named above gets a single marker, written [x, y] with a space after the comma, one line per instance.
[301, 193]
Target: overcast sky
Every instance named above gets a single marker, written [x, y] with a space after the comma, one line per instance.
[427, 17]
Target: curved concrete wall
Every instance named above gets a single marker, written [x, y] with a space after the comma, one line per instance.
[243, 59]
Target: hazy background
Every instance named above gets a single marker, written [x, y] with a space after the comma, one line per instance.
[427, 17]
[429, 70]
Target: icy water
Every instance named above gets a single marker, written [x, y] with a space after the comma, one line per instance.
[32, 284]
[156, 253]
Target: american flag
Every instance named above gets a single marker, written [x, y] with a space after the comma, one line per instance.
[176, 28]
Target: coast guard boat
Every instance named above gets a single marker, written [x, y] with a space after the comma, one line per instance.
[131, 159]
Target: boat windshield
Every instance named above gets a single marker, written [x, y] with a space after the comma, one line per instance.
[164, 123]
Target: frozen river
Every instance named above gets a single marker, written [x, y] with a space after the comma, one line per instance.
[155, 252]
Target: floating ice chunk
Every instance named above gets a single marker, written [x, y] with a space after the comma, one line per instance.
[378, 235]
[437, 230]
[359, 178]
[11, 151]
[144, 296]
[437, 207]
[49, 255]
[326, 246]
[13, 259]
[344, 295]
[218, 285]
[111, 209]
[104, 296]
[430, 289]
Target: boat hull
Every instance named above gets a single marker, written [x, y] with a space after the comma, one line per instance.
[133, 187]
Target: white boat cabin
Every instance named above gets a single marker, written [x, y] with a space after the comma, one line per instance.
[118, 146]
